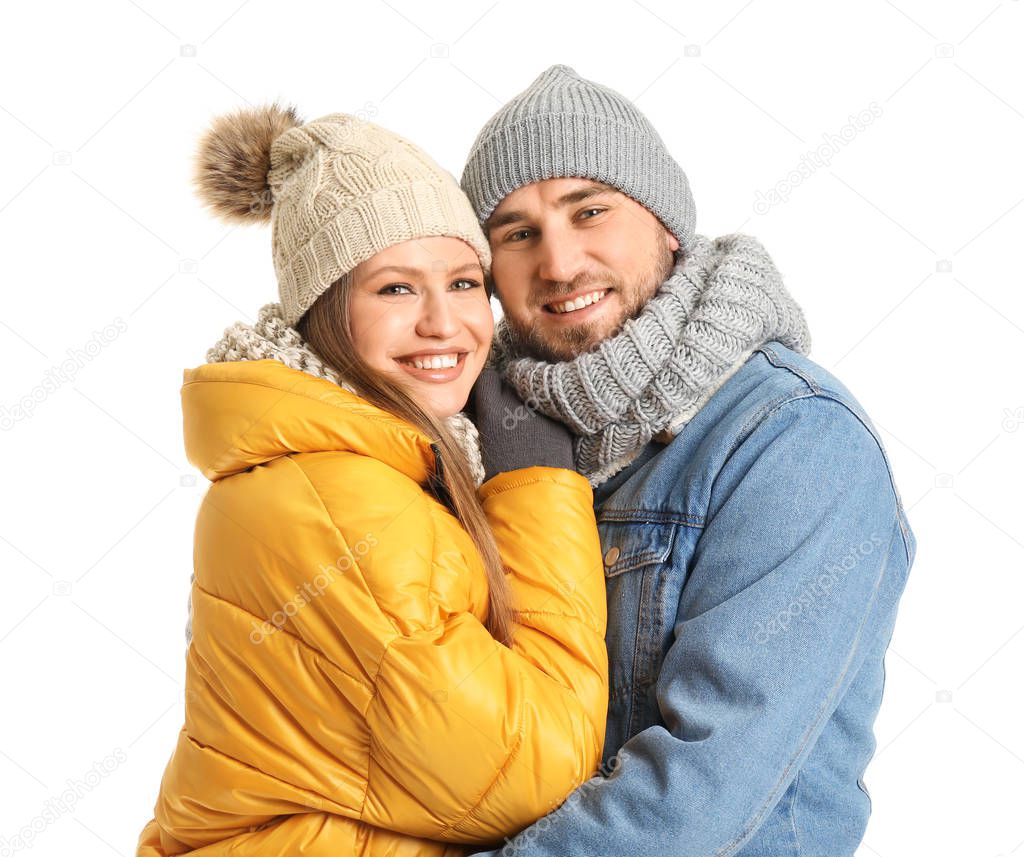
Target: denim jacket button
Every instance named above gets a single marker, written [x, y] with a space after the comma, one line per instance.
[611, 555]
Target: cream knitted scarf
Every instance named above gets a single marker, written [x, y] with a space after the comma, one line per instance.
[721, 302]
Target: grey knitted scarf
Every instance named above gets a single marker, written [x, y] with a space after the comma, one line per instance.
[721, 302]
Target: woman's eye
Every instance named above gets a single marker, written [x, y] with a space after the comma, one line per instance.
[387, 290]
[466, 285]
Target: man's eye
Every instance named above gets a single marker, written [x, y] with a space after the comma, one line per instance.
[589, 210]
[512, 235]
[387, 289]
[468, 284]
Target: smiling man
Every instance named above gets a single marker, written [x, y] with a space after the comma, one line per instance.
[584, 285]
[755, 545]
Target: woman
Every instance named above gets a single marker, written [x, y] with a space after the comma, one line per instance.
[397, 641]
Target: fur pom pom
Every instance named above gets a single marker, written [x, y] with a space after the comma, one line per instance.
[233, 160]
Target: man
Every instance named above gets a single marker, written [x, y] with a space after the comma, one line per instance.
[755, 545]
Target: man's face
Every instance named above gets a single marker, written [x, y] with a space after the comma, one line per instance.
[574, 240]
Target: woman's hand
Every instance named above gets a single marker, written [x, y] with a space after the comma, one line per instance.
[512, 434]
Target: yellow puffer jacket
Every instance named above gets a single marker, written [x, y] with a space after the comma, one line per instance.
[342, 694]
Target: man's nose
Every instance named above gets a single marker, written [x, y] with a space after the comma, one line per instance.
[561, 257]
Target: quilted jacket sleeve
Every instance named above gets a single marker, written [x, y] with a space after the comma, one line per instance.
[472, 739]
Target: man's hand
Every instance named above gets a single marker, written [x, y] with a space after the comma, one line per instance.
[512, 434]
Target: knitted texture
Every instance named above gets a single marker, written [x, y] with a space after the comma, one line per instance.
[344, 189]
[563, 125]
[271, 338]
[647, 381]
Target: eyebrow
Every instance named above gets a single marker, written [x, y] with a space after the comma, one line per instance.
[571, 198]
[412, 272]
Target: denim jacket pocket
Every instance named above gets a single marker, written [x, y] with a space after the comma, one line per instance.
[628, 545]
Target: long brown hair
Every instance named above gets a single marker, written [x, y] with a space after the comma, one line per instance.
[326, 328]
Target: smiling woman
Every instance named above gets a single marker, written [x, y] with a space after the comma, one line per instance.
[447, 682]
[431, 329]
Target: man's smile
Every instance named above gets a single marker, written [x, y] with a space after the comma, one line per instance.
[576, 302]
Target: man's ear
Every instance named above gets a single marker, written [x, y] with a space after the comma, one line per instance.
[673, 242]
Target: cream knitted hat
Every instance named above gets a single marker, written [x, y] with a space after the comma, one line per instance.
[337, 190]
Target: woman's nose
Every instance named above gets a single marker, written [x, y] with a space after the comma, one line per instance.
[438, 318]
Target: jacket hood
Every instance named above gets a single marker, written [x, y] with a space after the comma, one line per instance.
[242, 413]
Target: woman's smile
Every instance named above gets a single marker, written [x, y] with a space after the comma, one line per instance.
[436, 367]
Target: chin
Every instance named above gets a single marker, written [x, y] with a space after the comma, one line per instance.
[443, 405]
[569, 343]
[559, 342]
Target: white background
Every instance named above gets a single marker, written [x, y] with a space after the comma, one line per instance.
[903, 251]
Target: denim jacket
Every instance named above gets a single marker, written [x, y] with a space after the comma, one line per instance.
[754, 566]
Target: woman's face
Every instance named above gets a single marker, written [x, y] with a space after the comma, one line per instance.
[419, 312]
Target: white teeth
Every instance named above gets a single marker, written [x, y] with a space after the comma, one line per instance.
[437, 361]
[579, 303]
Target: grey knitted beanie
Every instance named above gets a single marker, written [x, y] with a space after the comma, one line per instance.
[562, 126]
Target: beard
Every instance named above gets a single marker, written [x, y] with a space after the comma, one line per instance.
[527, 339]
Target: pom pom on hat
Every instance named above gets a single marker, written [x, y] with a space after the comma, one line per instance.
[233, 161]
